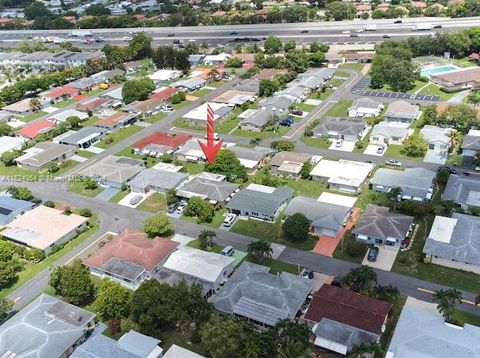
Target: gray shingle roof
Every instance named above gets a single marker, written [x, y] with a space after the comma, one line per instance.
[462, 190]
[320, 214]
[471, 142]
[256, 153]
[365, 103]
[401, 109]
[260, 118]
[254, 293]
[464, 245]
[82, 135]
[342, 126]
[342, 333]
[209, 189]
[414, 182]
[158, 178]
[379, 222]
[248, 200]
[390, 129]
[277, 103]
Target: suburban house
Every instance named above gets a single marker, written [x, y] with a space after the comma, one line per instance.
[115, 94]
[216, 60]
[416, 183]
[43, 228]
[132, 66]
[422, 331]
[24, 107]
[191, 151]
[333, 59]
[209, 269]
[146, 108]
[95, 105]
[342, 175]
[288, 164]
[157, 180]
[195, 59]
[83, 85]
[386, 133]
[260, 202]
[365, 107]
[235, 97]
[42, 154]
[107, 75]
[11, 208]
[115, 121]
[458, 80]
[401, 111]
[261, 297]
[164, 94]
[471, 143]
[438, 138]
[46, 327]
[8, 144]
[131, 345]
[251, 84]
[208, 186]
[325, 219]
[61, 93]
[267, 73]
[130, 258]
[189, 84]
[83, 138]
[252, 158]
[293, 93]
[33, 130]
[258, 120]
[62, 116]
[341, 319]
[359, 57]
[379, 226]
[198, 116]
[159, 143]
[163, 76]
[349, 129]
[179, 352]
[113, 171]
[454, 242]
[464, 191]
[279, 104]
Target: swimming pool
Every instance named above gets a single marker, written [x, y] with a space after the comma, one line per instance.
[438, 70]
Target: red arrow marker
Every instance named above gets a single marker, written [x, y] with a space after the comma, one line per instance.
[210, 149]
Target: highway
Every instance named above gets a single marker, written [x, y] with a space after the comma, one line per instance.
[330, 32]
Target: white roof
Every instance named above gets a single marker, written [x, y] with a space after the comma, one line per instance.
[200, 113]
[261, 188]
[337, 199]
[167, 167]
[207, 266]
[216, 58]
[247, 113]
[345, 172]
[165, 75]
[62, 116]
[247, 163]
[474, 132]
[178, 352]
[442, 229]
[10, 143]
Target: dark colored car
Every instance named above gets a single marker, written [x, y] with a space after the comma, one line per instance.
[353, 35]
[307, 273]
[297, 113]
[450, 169]
[337, 281]
[304, 31]
[386, 36]
[285, 123]
[437, 27]
[172, 208]
[373, 254]
[397, 22]
[171, 35]
[234, 33]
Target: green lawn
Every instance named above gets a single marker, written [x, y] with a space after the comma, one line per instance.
[320, 142]
[13, 170]
[85, 153]
[277, 266]
[342, 253]
[32, 117]
[192, 168]
[368, 196]
[365, 141]
[304, 107]
[118, 136]
[119, 196]
[78, 187]
[227, 125]
[395, 151]
[182, 123]
[30, 270]
[180, 105]
[216, 222]
[128, 152]
[410, 263]
[63, 104]
[154, 203]
[307, 187]
[342, 74]
[339, 109]
[217, 83]
[321, 95]
[434, 90]
[268, 231]
[336, 82]
[393, 317]
[353, 66]
[201, 92]
[155, 118]
[455, 158]
[196, 245]
[173, 336]
[466, 317]
[90, 121]
[280, 131]
[463, 62]
[94, 92]
[65, 167]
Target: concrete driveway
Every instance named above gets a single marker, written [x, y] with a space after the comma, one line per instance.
[345, 147]
[435, 157]
[372, 150]
[385, 259]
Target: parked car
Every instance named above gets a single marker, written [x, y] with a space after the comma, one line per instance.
[451, 170]
[373, 254]
[297, 113]
[437, 27]
[339, 143]
[181, 207]
[229, 219]
[227, 251]
[134, 200]
[353, 35]
[166, 109]
[477, 169]
[307, 273]
[393, 162]
[127, 38]
[380, 149]
[172, 207]
[285, 123]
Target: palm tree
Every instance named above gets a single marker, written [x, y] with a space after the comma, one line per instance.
[293, 348]
[387, 293]
[454, 136]
[35, 104]
[360, 278]
[446, 300]
[474, 98]
[260, 250]
[213, 74]
[393, 195]
[365, 349]
[206, 239]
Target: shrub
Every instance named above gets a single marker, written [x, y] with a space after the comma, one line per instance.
[85, 212]
[355, 248]
[49, 204]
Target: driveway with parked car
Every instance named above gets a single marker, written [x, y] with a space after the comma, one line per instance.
[384, 260]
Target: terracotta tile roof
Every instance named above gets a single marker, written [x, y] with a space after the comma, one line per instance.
[34, 129]
[165, 94]
[163, 138]
[113, 119]
[268, 73]
[5, 20]
[420, 4]
[58, 92]
[364, 7]
[133, 247]
[474, 56]
[345, 306]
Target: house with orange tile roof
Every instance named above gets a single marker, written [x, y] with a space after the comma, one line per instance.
[33, 130]
[61, 93]
[363, 9]
[95, 104]
[116, 121]
[383, 6]
[131, 258]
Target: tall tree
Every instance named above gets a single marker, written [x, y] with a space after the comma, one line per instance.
[140, 46]
[158, 225]
[360, 279]
[113, 300]
[227, 163]
[296, 227]
[206, 238]
[260, 250]
[446, 301]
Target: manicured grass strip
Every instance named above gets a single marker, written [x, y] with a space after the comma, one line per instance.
[394, 151]
[78, 187]
[339, 109]
[32, 117]
[282, 130]
[216, 221]
[118, 136]
[154, 203]
[317, 142]
[119, 196]
[63, 104]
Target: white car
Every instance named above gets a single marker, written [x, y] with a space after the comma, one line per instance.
[346, 32]
[127, 38]
[216, 136]
[229, 219]
[181, 208]
[393, 162]
[339, 143]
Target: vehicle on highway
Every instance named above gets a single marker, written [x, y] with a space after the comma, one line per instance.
[307, 273]
[229, 219]
[181, 207]
[171, 35]
[393, 163]
[373, 254]
[386, 36]
[345, 32]
[172, 207]
[437, 27]
[126, 38]
[360, 30]
[297, 112]
[477, 169]
[227, 251]
[353, 35]
[371, 27]
[397, 22]
[99, 39]
[304, 31]
[467, 174]
[339, 143]
[422, 27]
[234, 33]
[134, 200]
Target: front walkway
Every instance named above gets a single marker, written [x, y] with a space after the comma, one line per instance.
[326, 245]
